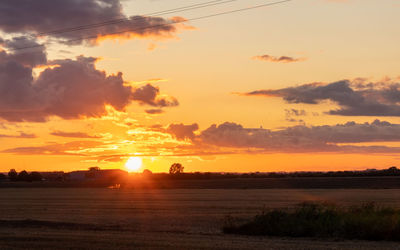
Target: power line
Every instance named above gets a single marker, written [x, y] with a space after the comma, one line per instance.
[162, 25]
[126, 19]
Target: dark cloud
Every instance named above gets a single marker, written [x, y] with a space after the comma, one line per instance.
[290, 113]
[154, 111]
[282, 59]
[71, 89]
[295, 112]
[303, 138]
[21, 135]
[354, 98]
[150, 95]
[73, 134]
[290, 119]
[181, 131]
[26, 16]
[30, 58]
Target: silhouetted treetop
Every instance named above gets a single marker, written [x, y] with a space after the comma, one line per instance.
[23, 176]
[13, 175]
[176, 168]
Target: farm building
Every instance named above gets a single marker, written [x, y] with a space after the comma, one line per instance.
[96, 173]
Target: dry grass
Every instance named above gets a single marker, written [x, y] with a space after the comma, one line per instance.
[184, 219]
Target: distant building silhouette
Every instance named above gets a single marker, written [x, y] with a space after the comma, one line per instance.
[96, 173]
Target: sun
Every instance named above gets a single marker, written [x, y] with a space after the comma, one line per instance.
[133, 164]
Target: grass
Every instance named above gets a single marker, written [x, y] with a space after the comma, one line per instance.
[366, 222]
[98, 218]
[28, 223]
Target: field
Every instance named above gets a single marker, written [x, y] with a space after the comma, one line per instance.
[65, 218]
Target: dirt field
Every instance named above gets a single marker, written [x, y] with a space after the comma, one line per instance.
[160, 219]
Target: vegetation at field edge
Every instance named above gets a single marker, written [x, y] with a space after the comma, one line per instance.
[365, 222]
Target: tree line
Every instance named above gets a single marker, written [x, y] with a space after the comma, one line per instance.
[13, 175]
[176, 172]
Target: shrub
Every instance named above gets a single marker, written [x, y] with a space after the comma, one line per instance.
[368, 222]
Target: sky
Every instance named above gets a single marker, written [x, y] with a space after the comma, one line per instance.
[301, 85]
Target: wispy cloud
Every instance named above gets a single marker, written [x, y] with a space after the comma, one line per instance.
[230, 138]
[74, 134]
[154, 111]
[21, 135]
[150, 81]
[278, 59]
[54, 149]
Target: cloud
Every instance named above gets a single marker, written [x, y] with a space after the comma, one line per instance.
[304, 138]
[70, 148]
[181, 131]
[290, 113]
[25, 16]
[295, 112]
[72, 89]
[31, 58]
[355, 98]
[69, 89]
[151, 81]
[21, 135]
[74, 134]
[281, 59]
[154, 111]
[232, 138]
[150, 95]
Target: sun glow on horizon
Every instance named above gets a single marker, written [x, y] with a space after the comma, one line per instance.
[133, 164]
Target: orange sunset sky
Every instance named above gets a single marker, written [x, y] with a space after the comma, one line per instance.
[292, 86]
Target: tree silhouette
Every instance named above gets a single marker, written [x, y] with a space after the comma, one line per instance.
[23, 176]
[176, 168]
[35, 176]
[13, 175]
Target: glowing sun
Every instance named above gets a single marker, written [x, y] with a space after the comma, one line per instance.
[133, 164]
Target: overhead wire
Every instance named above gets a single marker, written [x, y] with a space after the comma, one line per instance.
[126, 19]
[172, 22]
